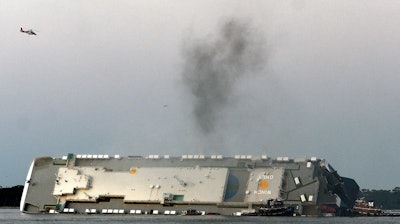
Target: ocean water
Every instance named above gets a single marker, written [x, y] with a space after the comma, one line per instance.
[14, 216]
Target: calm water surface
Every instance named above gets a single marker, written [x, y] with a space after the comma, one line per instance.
[13, 216]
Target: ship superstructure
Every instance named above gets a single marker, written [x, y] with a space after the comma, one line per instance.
[156, 184]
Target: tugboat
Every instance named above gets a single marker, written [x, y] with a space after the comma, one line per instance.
[364, 208]
[275, 208]
[271, 208]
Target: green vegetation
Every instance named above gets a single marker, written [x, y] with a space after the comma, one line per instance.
[385, 199]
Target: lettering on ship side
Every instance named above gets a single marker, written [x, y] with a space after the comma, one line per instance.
[263, 184]
[267, 177]
[269, 192]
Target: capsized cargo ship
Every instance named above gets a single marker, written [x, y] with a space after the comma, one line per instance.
[163, 184]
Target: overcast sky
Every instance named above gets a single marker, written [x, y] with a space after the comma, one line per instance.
[111, 77]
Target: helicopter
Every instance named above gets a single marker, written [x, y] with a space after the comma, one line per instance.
[29, 32]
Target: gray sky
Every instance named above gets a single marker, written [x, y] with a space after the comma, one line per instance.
[108, 77]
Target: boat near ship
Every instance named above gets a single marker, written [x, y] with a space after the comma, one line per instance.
[275, 208]
[272, 208]
[192, 212]
[364, 208]
[367, 208]
[163, 184]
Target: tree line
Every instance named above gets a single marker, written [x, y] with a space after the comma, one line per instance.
[385, 199]
[10, 196]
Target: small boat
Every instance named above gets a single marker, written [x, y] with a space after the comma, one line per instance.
[271, 208]
[275, 208]
[192, 211]
[364, 208]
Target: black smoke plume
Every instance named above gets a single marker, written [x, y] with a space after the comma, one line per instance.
[212, 66]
